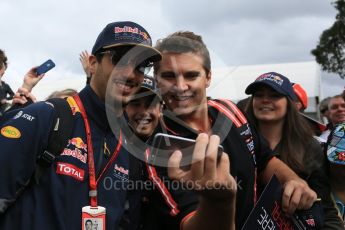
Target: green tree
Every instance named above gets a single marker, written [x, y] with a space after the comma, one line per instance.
[330, 52]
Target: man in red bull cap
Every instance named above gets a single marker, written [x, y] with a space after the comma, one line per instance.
[75, 188]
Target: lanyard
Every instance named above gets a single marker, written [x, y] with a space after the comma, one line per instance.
[91, 163]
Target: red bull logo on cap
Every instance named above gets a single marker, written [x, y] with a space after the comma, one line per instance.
[270, 77]
[126, 29]
[133, 30]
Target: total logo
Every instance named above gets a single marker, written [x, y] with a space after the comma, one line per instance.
[70, 170]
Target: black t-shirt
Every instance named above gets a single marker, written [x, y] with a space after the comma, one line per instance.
[160, 214]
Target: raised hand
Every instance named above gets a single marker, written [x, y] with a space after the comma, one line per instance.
[31, 79]
[297, 195]
[208, 177]
[212, 181]
[22, 95]
[84, 59]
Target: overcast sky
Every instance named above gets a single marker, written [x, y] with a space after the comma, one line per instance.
[240, 32]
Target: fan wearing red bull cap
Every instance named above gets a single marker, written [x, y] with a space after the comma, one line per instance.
[144, 109]
[272, 106]
[81, 182]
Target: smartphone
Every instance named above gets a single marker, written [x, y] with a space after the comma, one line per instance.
[164, 145]
[45, 67]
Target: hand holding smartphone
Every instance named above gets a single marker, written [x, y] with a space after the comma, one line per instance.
[164, 145]
[45, 67]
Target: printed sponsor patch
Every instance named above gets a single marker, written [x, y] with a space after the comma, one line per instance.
[76, 153]
[76, 148]
[250, 145]
[10, 132]
[70, 170]
[28, 117]
[131, 30]
[271, 77]
[25, 116]
[73, 105]
[121, 173]
[78, 143]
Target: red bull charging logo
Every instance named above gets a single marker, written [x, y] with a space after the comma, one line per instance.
[78, 143]
[74, 149]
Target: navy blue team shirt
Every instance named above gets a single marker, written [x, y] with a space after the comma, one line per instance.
[56, 202]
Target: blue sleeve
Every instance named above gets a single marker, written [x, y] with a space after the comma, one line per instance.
[23, 134]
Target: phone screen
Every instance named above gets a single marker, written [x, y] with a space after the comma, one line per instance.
[164, 145]
[45, 67]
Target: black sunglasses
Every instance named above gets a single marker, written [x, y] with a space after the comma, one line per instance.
[120, 58]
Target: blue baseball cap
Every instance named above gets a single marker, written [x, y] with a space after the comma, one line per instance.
[276, 81]
[125, 33]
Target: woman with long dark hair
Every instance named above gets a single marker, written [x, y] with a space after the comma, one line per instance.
[273, 111]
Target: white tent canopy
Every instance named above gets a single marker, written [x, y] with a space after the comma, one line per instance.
[231, 82]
